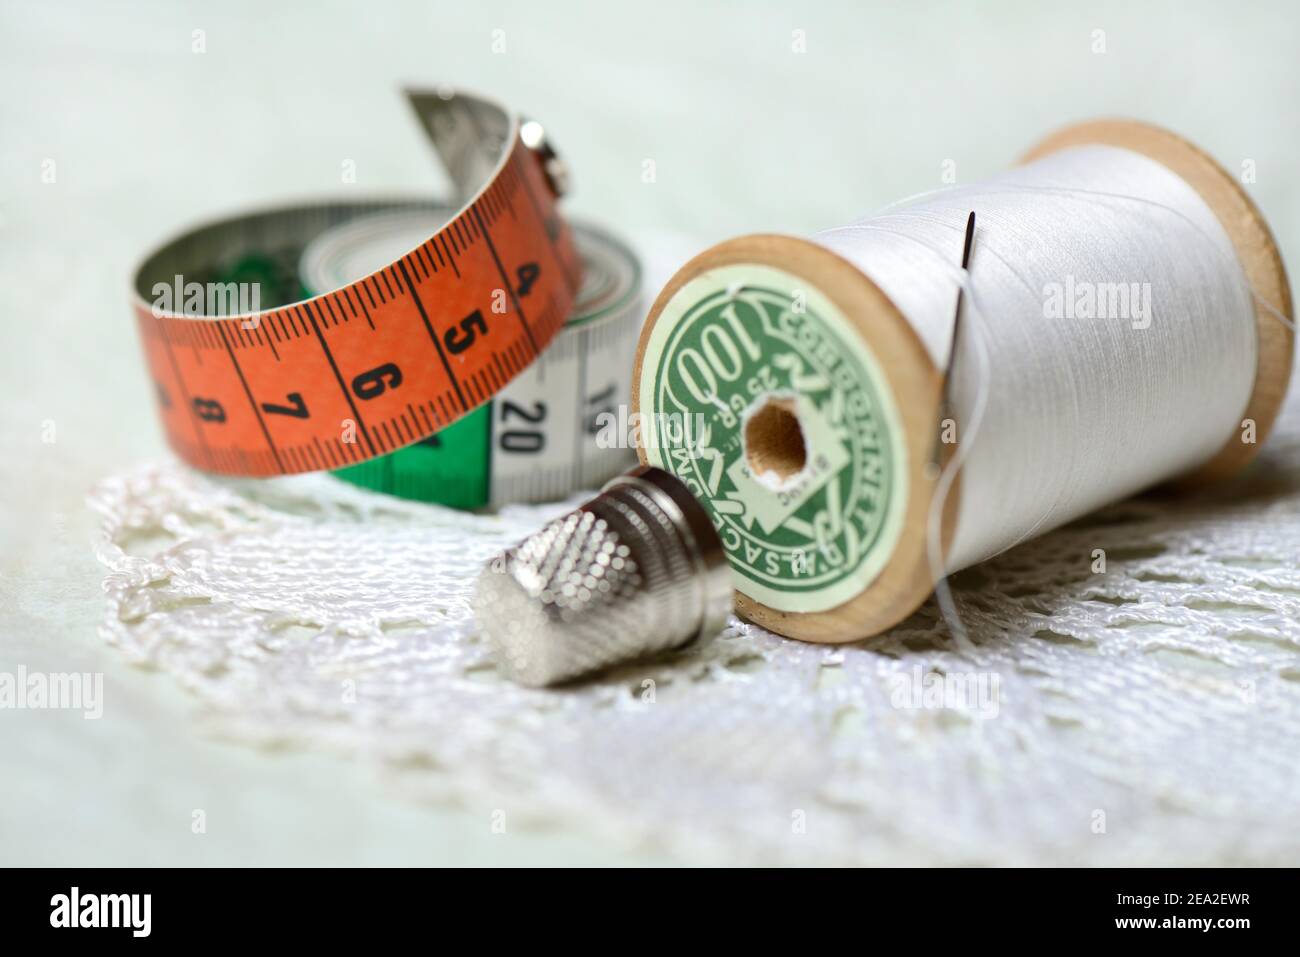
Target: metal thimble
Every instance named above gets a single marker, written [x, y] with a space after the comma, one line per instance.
[637, 570]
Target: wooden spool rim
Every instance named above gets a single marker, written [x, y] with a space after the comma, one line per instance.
[916, 384]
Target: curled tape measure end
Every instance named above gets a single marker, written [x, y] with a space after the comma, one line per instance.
[354, 373]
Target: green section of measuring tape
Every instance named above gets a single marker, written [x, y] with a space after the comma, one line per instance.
[728, 342]
[540, 421]
[452, 467]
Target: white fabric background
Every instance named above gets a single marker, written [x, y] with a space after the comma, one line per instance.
[746, 135]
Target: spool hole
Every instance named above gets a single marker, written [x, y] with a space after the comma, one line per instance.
[774, 442]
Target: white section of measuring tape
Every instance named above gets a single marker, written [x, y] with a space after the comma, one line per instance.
[1052, 406]
[555, 404]
[544, 439]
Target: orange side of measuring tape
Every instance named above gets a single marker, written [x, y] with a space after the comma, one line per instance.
[389, 359]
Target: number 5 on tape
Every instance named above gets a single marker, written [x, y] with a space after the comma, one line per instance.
[381, 362]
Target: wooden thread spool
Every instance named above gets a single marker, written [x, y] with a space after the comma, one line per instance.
[774, 445]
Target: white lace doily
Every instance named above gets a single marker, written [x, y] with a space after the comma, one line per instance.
[1149, 713]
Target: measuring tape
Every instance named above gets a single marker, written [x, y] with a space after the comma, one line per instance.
[544, 434]
[385, 360]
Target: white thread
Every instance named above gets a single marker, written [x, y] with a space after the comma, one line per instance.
[1057, 416]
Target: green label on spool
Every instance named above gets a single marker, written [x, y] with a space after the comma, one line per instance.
[737, 355]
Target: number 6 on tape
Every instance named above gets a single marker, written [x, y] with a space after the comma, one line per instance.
[379, 363]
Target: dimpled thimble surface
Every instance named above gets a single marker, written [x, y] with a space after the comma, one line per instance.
[636, 570]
